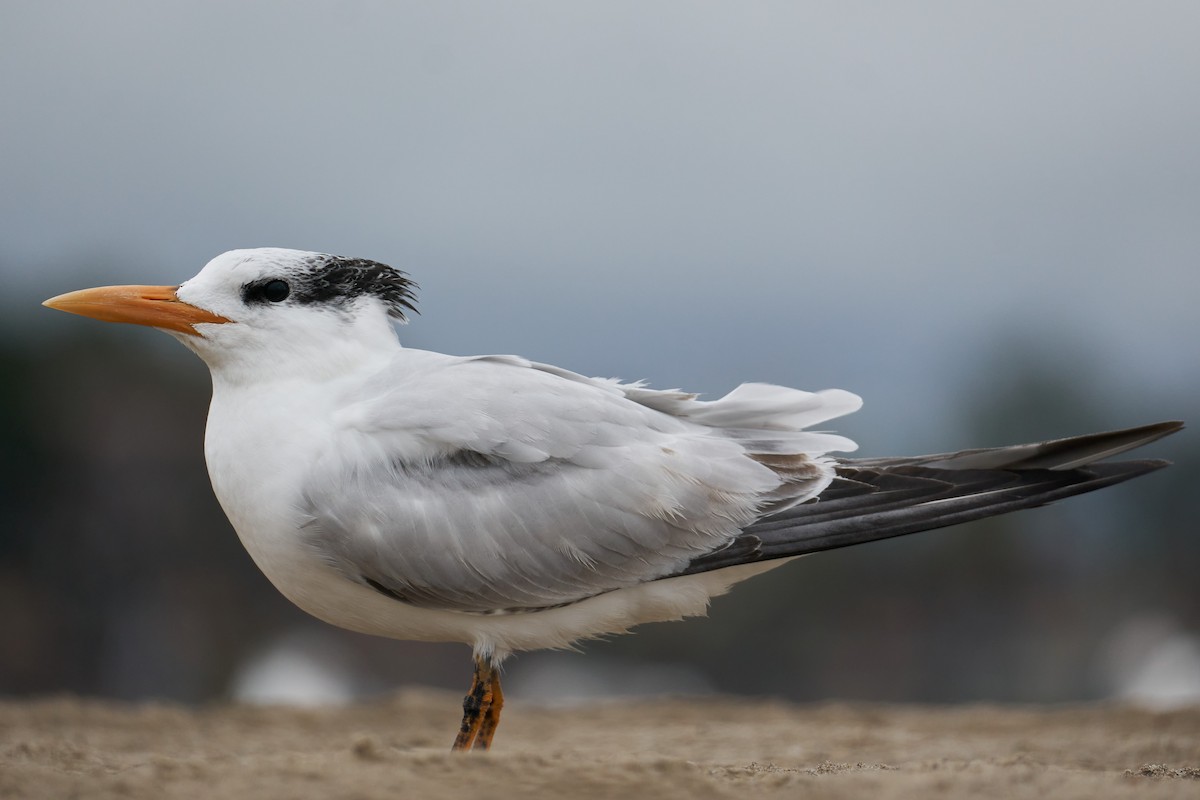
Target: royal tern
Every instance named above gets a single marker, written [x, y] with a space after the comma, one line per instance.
[512, 505]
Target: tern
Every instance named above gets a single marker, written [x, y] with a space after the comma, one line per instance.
[513, 505]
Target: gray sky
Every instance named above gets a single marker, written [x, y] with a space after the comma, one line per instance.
[862, 195]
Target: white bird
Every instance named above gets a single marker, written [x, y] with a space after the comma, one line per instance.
[512, 505]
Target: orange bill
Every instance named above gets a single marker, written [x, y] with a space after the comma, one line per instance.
[156, 306]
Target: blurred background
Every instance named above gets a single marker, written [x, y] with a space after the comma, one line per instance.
[984, 218]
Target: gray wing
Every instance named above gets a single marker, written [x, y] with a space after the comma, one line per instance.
[472, 532]
[488, 485]
[881, 498]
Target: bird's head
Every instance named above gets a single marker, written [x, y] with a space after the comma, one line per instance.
[266, 309]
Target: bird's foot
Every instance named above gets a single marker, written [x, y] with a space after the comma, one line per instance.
[481, 709]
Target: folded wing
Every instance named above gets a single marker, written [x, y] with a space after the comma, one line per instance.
[495, 484]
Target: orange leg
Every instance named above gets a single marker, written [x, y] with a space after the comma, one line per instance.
[481, 709]
[491, 717]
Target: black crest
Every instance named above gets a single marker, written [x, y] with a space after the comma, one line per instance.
[335, 280]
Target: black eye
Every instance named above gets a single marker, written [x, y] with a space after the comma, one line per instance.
[271, 291]
[276, 291]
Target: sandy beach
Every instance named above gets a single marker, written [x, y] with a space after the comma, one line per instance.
[670, 748]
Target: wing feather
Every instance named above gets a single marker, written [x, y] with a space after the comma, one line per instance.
[497, 484]
[880, 498]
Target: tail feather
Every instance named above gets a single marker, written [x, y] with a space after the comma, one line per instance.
[1069, 453]
[874, 499]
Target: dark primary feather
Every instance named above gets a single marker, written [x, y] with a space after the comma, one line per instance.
[1073, 451]
[885, 497]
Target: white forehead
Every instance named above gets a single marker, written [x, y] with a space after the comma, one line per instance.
[219, 284]
[253, 262]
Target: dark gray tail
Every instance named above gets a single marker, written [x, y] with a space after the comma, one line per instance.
[880, 498]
